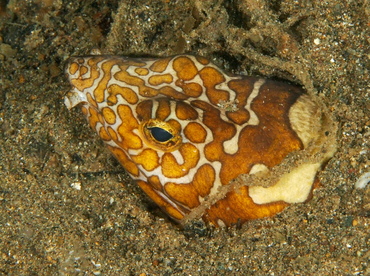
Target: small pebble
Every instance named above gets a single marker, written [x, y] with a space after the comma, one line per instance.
[362, 182]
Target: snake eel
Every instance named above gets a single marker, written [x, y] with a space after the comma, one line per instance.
[185, 130]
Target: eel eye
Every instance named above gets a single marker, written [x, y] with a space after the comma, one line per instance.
[160, 134]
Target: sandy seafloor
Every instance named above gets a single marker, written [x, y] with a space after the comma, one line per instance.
[109, 227]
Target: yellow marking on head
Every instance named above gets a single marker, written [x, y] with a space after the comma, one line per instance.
[160, 65]
[222, 131]
[242, 88]
[185, 68]
[131, 62]
[108, 115]
[125, 130]
[84, 110]
[83, 70]
[172, 169]
[238, 117]
[93, 118]
[190, 89]
[73, 67]
[195, 133]
[163, 110]
[144, 110]
[91, 100]
[175, 124]
[155, 182]
[148, 158]
[81, 83]
[185, 111]
[106, 68]
[101, 118]
[127, 93]
[211, 77]
[126, 162]
[104, 134]
[112, 133]
[202, 60]
[135, 81]
[172, 93]
[142, 71]
[189, 193]
[160, 79]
